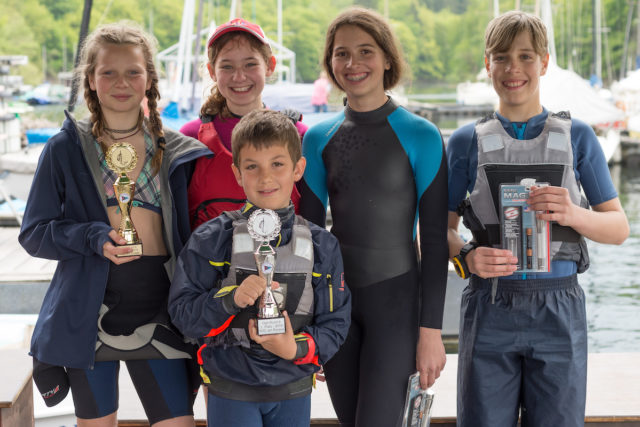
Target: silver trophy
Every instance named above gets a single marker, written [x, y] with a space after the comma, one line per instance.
[264, 226]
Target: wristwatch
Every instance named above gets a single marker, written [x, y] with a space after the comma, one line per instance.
[459, 262]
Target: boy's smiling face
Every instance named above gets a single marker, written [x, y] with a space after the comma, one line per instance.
[515, 75]
[268, 175]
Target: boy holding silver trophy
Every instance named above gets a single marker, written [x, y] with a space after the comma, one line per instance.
[260, 347]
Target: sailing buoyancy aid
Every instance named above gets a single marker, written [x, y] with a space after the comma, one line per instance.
[133, 321]
[293, 272]
[506, 160]
[213, 188]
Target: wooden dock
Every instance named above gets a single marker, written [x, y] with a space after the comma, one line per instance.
[16, 265]
[613, 390]
[613, 383]
[629, 151]
[434, 112]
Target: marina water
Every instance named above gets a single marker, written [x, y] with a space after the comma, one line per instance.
[612, 283]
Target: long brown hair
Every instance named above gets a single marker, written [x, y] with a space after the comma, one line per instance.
[118, 34]
[216, 104]
[378, 28]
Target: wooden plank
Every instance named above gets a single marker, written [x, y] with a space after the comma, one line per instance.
[21, 412]
[613, 386]
[16, 265]
[15, 371]
[16, 389]
[612, 394]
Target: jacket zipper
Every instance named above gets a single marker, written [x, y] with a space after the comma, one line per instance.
[330, 294]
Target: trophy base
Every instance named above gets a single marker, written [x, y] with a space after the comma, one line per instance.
[136, 249]
[271, 326]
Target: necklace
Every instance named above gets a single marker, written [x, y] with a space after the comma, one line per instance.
[136, 126]
[136, 130]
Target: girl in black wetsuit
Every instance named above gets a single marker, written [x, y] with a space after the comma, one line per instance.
[383, 170]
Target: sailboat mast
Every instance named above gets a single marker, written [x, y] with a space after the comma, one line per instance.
[84, 29]
[636, 60]
[279, 58]
[597, 40]
[547, 17]
[196, 56]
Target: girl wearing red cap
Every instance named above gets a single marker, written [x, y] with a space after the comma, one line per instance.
[240, 60]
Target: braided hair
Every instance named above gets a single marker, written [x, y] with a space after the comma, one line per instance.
[117, 34]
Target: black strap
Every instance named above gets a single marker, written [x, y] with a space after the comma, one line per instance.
[228, 389]
[294, 115]
[563, 233]
[206, 118]
[562, 115]
[559, 233]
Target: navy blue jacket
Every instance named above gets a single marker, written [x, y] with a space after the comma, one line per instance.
[203, 264]
[66, 220]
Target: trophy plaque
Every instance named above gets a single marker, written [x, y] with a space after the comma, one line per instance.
[121, 158]
[264, 226]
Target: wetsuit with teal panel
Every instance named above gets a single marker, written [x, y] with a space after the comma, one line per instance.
[384, 175]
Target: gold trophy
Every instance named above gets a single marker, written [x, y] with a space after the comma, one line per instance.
[122, 158]
[264, 226]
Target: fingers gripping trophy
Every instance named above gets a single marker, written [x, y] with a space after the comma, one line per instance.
[122, 158]
[263, 227]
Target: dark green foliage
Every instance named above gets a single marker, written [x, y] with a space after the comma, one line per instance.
[442, 39]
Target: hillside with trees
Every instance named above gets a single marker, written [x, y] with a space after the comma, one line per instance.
[442, 39]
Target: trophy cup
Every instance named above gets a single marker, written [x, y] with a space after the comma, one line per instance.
[122, 158]
[264, 226]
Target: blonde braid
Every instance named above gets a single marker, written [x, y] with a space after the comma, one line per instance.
[156, 125]
[97, 119]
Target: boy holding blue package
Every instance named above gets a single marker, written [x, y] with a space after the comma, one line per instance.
[523, 337]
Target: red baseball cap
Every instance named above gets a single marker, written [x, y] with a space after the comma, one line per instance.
[238, 24]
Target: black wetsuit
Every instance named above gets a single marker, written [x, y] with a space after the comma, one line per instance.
[381, 170]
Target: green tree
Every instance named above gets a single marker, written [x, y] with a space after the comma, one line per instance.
[443, 40]
[12, 23]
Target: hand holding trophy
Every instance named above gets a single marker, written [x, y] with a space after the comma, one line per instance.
[264, 226]
[121, 158]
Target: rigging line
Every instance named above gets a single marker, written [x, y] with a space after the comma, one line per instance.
[106, 11]
[579, 31]
[607, 51]
[627, 33]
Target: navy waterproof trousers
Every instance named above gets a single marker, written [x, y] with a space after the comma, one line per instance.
[525, 354]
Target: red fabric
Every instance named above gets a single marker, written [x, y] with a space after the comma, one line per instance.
[311, 356]
[213, 180]
[213, 188]
[199, 354]
[215, 331]
[238, 24]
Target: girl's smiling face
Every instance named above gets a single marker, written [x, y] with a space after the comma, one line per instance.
[240, 73]
[358, 64]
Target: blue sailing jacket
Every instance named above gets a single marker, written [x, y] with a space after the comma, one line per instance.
[198, 309]
[66, 220]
